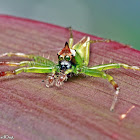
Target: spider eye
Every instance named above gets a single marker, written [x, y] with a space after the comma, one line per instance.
[67, 58]
[60, 57]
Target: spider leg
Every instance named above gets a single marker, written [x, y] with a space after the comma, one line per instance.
[114, 65]
[33, 67]
[39, 65]
[22, 63]
[97, 41]
[28, 70]
[38, 59]
[97, 73]
[16, 54]
[71, 38]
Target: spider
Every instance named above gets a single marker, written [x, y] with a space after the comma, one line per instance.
[72, 59]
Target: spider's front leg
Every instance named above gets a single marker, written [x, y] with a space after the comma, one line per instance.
[97, 73]
[17, 71]
[39, 65]
[27, 70]
[22, 63]
[33, 69]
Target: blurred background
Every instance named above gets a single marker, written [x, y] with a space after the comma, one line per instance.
[117, 20]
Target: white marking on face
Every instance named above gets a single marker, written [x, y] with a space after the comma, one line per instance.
[66, 64]
[73, 52]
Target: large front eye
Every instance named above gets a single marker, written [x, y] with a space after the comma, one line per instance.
[60, 57]
[67, 58]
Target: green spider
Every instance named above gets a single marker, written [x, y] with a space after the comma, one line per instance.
[72, 59]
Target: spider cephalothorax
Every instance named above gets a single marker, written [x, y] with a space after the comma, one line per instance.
[71, 59]
[66, 58]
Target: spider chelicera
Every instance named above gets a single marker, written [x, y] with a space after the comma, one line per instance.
[72, 59]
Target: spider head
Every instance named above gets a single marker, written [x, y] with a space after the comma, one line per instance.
[65, 57]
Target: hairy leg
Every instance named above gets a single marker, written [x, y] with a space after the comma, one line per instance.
[17, 54]
[97, 73]
[97, 41]
[28, 70]
[22, 63]
[38, 59]
[71, 38]
[114, 66]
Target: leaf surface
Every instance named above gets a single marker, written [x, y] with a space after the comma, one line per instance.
[78, 110]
